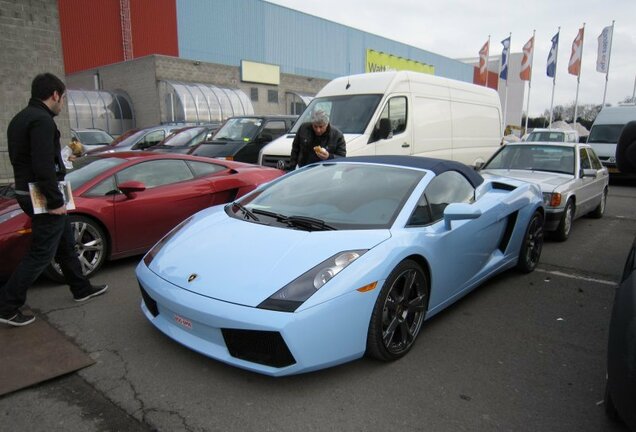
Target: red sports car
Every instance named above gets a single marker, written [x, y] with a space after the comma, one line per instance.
[125, 202]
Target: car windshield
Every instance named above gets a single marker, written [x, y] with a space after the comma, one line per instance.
[96, 137]
[342, 195]
[605, 133]
[546, 136]
[239, 129]
[551, 158]
[349, 114]
[182, 138]
[88, 167]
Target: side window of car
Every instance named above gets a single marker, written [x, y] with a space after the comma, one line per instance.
[596, 163]
[153, 138]
[585, 162]
[422, 213]
[103, 188]
[156, 173]
[273, 129]
[448, 187]
[204, 168]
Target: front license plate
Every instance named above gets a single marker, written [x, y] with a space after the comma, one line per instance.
[186, 323]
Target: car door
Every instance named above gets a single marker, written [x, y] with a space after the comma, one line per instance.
[172, 194]
[270, 130]
[392, 133]
[588, 187]
[460, 254]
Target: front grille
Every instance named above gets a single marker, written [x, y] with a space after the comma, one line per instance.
[263, 347]
[272, 161]
[151, 305]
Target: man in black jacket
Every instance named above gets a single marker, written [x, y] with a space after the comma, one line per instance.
[34, 150]
[315, 141]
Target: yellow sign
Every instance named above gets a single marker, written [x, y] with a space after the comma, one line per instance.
[260, 72]
[380, 62]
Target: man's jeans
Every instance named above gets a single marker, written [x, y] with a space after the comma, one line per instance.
[52, 236]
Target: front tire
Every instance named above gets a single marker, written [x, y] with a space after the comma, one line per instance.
[90, 243]
[565, 226]
[532, 244]
[398, 312]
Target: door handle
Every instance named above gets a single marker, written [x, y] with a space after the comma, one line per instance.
[405, 145]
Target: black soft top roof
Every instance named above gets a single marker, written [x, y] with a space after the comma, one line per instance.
[438, 166]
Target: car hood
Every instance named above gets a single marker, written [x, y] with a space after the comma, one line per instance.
[222, 148]
[547, 180]
[245, 263]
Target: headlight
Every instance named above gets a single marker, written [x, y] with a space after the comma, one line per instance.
[10, 215]
[551, 199]
[292, 295]
[157, 247]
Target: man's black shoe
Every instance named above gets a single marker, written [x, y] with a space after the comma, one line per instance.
[17, 319]
[93, 291]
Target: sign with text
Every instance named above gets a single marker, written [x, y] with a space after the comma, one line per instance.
[380, 62]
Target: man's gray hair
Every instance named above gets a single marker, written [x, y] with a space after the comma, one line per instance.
[320, 117]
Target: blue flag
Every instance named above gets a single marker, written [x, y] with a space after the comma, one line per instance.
[552, 56]
[504, 58]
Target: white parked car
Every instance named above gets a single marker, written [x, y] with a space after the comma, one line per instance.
[552, 135]
[571, 176]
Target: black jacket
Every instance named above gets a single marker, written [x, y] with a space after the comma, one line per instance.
[305, 140]
[34, 150]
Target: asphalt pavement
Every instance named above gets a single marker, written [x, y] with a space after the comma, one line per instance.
[520, 353]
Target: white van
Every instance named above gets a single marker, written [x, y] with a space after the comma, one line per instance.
[405, 113]
[605, 131]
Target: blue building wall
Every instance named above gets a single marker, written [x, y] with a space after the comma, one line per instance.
[228, 31]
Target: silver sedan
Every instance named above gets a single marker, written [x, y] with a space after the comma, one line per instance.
[572, 179]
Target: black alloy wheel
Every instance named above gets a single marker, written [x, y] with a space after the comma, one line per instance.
[532, 244]
[398, 312]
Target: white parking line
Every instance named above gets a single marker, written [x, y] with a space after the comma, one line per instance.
[573, 276]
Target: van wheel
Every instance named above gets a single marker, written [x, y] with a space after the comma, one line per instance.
[598, 212]
[565, 226]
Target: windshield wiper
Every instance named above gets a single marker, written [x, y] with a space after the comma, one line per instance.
[247, 214]
[279, 217]
[309, 223]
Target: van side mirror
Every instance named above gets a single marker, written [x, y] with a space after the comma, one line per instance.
[265, 137]
[382, 130]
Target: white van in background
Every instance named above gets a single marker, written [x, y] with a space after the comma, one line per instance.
[405, 113]
[605, 131]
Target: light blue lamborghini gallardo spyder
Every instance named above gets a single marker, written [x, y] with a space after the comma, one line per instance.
[337, 259]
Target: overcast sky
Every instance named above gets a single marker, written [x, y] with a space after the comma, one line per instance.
[458, 29]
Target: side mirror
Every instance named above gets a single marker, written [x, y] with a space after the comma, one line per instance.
[129, 188]
[587, 172]
[479, 165]
[265, 137]
[459, 211]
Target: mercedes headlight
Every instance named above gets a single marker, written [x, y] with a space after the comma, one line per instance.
[292, 295]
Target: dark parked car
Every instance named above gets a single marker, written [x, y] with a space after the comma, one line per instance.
[185, 139]
[138, 139]
[242, 138]
[92, 138]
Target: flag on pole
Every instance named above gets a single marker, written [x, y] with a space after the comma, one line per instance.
[552, 56]
[604, 44]
[526, 61]
[574, 67]
[483, 63]
[504, 58]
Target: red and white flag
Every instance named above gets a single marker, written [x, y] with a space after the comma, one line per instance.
[574, 67]
[483, 63]
[526, 61]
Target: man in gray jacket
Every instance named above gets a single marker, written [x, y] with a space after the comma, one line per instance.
[315, 141]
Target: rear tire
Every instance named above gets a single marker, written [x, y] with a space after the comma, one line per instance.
[598, 212]
[565, 226]
[398, 313]
[532, 244]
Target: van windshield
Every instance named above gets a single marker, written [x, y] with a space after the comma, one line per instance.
[605, 133]
[350, 114]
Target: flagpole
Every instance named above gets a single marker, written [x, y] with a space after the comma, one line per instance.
[506, 89]
[529, 84]
[578, 79]
[487, 60]
[609, 56]
[556, 56]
